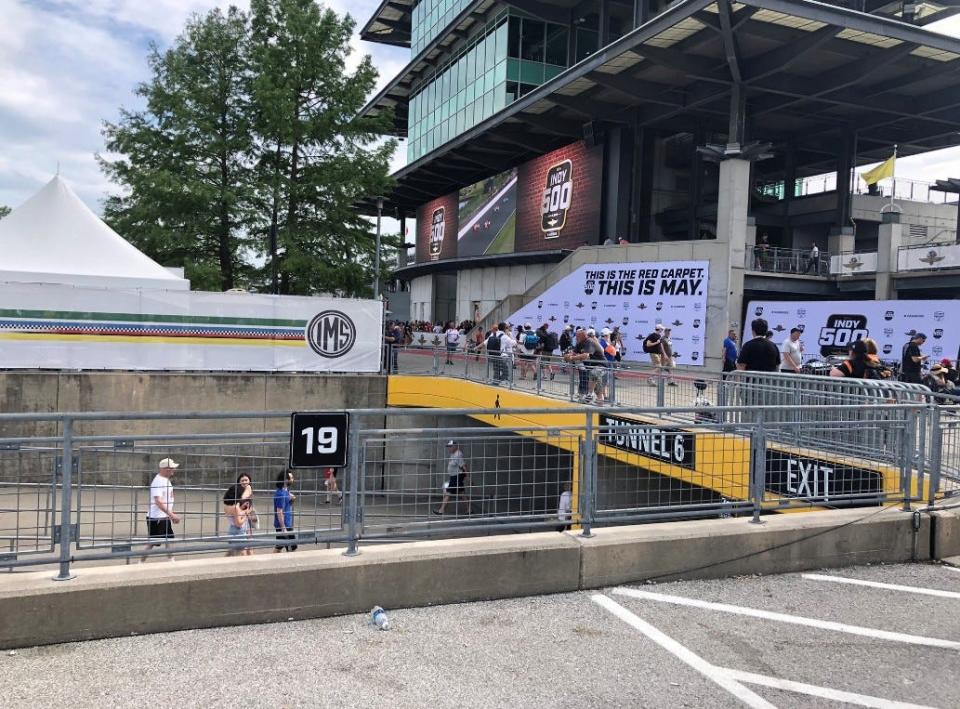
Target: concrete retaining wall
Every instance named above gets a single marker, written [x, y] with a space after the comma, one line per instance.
[48, 392]
[205, 592]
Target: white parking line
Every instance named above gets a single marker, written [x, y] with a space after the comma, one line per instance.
[885, 586]
[863, 700]
[793, 619]
[712, 672]
[952, 568]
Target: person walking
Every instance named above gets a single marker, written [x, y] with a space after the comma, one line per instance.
[237, 503]
[453, 341]
[548, 349]
[668, 360]
[730, 351]
[911, 363]
[529, 343]
[330, 484]
[585, 349]
[759, 354]
[161, 517]
[653, 346]
[792, 352]
[283, 501]
[457, 476]
[565, 508]
[494, 346]
[813, 261]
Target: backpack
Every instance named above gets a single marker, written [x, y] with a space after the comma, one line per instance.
[549, 343]
[530, 340]
[493, 343]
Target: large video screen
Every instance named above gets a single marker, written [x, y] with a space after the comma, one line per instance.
[488, 216]
[551, 202]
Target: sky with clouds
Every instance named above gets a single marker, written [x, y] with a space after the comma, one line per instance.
[68, 65]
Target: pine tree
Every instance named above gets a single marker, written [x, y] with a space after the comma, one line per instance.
[314, 157]
[4, 211]
[185, 158]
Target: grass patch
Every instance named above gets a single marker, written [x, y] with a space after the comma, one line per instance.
[505, 241]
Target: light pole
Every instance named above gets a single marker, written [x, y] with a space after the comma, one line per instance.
[376, 255]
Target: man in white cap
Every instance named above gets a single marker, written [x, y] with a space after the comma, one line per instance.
[457, 473]
[161, 517]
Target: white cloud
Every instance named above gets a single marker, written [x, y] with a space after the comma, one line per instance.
[67, 65]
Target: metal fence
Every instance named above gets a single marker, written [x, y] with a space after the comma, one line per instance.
[775, 259]
[75, 487]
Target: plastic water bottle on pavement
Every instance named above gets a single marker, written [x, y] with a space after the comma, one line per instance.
[379, 618]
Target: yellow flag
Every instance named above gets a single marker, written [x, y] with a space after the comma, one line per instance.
[881, 171]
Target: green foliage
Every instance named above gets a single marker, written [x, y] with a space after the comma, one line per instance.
[250, 130]
[4, 211]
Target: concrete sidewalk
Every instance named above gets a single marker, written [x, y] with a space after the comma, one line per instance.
[206, 592]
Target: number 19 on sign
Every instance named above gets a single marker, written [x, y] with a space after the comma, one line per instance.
[319, 439]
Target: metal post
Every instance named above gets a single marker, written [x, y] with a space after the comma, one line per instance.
[588, 477]
[66, 502]
[376, 254]
[538, 375]
[908, 458]
[936, 450]
[612, 392]
[353, 503]
[572, 370]
[917, 437]
[661, 385]
[758, 467]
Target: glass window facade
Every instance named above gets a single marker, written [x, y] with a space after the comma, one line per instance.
[429, 18]
[508, 59]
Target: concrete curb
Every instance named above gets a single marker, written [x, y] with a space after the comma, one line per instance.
[945, 537]
[781, 544]
[203, 592]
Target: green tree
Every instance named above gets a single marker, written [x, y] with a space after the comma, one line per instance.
[314, 157]
[4, 211]
[185, 159]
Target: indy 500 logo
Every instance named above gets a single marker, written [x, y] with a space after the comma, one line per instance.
[556, 198]
[436, 233]
[840, 332]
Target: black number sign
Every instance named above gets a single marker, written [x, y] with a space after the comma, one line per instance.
[319, 439]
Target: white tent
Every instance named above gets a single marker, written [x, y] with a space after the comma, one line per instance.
[53, 237]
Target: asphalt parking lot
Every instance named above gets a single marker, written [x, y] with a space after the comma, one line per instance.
[787, 641]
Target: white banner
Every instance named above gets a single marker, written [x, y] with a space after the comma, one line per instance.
[634, 296]
[830, 326]
[853, 264]
[927, 257]
[74, 327]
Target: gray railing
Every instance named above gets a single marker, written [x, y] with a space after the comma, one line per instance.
[74, 488]
[773, 259]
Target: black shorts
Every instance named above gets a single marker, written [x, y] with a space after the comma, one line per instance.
[160, 528]
[281, 537]
[527, 357]
[455, 483]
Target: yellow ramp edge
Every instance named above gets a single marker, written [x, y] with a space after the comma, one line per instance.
[721, 463]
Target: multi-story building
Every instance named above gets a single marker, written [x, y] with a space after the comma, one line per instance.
[669, 131]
